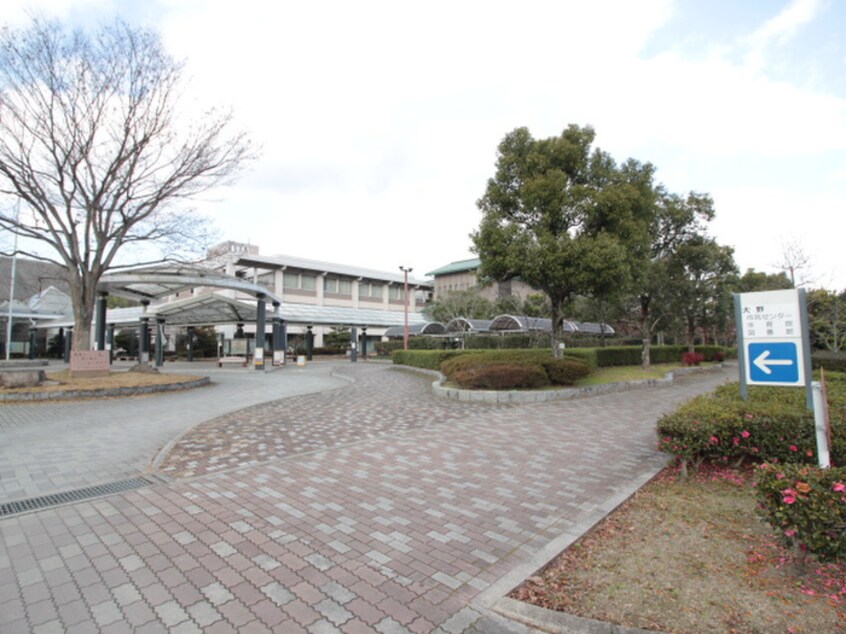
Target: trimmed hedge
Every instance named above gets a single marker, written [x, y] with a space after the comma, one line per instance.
[488, 357]
[593, 357]
[773, 426]
[807, 506]
[631, 355]
[564, 371]
[426, 359]
[501, 376]
[831, 361]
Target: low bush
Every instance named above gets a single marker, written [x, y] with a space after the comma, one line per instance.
[427, 359]
[807, 506]
[565, 371]
[692, 358]
[501, 376]
[471, 358]
[774, 425]
[831, 361]
[631, 355]
[385, 348]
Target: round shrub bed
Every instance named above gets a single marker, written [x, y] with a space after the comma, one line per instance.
[501, 376]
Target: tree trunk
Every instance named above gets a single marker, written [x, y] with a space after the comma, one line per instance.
[645, 331]
[555, 336]
[83, 297]
[645, 360]
[691, 335]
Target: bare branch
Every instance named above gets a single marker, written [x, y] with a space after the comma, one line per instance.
[91, 145]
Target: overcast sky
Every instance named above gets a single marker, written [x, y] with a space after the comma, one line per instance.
[379, 121]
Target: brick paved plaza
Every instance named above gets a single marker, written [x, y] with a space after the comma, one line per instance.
[371, 507]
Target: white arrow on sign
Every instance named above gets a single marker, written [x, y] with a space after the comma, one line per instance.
[763, 362]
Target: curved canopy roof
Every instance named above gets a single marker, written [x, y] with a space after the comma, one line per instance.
[461, 324]
[426, 328]
[154, 282]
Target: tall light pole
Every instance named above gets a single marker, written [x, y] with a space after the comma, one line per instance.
[405, 270]
[12, 288]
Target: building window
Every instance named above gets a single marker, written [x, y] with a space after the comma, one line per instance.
[395, 292]
[308, 282]
[370, 290]
[290, 280]
[337, 286]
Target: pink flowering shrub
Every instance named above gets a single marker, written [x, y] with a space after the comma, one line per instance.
[806, 506]
[773, 426]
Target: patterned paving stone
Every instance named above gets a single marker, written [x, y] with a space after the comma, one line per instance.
[373, 507]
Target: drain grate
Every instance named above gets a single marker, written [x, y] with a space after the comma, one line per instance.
[77, 495]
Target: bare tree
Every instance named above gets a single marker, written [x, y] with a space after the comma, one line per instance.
[93, 146]
[795, 263]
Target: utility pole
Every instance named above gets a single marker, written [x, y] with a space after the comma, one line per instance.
[12, 288]
[405, 270]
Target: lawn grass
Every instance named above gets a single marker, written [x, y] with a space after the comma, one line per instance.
[692, 556]
[620, 373]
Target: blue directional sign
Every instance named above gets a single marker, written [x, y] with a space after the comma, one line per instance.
[776, 363]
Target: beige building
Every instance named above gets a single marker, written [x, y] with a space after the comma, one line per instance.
[316, 283]
[462, 276]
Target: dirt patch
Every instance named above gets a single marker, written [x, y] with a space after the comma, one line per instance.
[63, 382]
[692, 556]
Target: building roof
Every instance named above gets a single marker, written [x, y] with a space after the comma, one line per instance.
[457, 267]
[461, 324]
[154, 282]
[423, 328]
[289, 261]
[31, 277]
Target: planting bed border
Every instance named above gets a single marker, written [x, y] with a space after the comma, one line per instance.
[59, 395]
[551, 394]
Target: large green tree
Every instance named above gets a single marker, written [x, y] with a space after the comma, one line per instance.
[827, 314]
[755, 281]
[702, 274]
[659, 283]
[468, 303]
[98, 154]
[564, 217]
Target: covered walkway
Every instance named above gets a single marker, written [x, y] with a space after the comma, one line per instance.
[212, 299]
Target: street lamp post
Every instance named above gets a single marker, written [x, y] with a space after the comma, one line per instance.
[405, 270]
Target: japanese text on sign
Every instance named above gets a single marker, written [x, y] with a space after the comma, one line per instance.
[772, 320]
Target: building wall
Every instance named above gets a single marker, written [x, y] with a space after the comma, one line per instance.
[466, 280]
[317, 287]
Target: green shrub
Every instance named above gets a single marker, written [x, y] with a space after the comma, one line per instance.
[565, 371]
[427, 359]
[588, 355]
[501, 376]
[618, 355]
[385, 348]
[470, 358]
[631, 355]
[807, 506]
[773, 426]
[831, 361]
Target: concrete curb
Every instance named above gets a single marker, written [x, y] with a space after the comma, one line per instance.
[558, 622]
[541, 396]
[28, 397]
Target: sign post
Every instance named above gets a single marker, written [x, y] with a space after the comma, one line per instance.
[773, 346]
[772, 340]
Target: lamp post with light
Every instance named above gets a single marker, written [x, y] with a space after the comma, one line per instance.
[405, 270]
